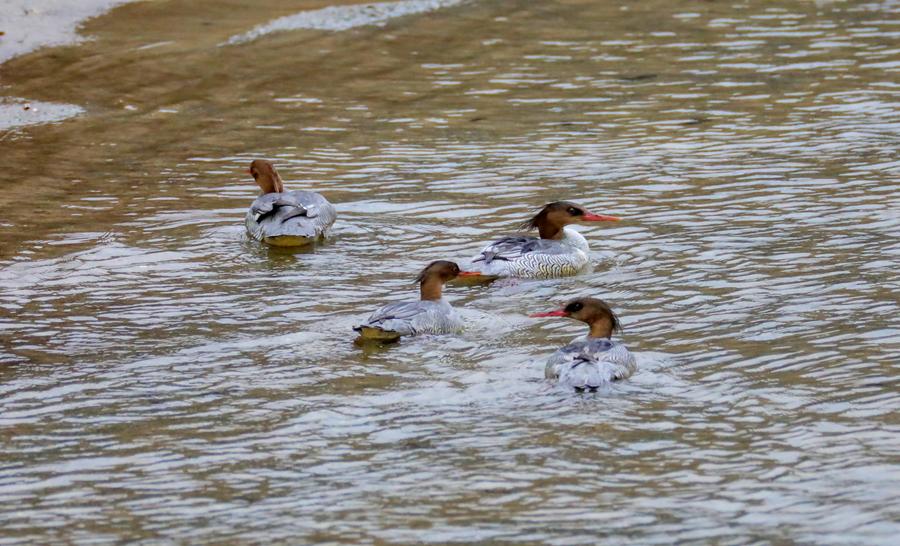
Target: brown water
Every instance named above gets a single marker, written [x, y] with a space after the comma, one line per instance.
[166, 378]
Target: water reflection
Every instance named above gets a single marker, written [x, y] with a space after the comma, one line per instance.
[165, 377]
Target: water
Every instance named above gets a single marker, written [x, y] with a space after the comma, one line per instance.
[166, 378]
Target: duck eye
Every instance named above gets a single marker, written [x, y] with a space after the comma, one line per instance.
[574, 307]
[574, 212]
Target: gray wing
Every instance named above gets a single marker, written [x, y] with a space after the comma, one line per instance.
[591, 363]
[268, 205]
[512, 248]
[404, 311]
[398, 317]
[316, 207]
[297, 213]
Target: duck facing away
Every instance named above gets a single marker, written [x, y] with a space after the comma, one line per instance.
[286, 218]
[430, 315]
[595, 360]
[558, 251]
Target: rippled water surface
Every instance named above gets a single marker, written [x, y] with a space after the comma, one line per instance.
[164, 377]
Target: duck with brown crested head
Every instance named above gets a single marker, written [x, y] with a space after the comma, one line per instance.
[432, 314]
[593, 361]
[286, 218]
[558, 251]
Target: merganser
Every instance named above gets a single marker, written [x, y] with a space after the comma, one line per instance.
[593, 361]
[558, 252]
[430, 315]
[285, 218]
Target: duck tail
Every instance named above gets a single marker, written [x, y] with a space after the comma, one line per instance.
[369, 333]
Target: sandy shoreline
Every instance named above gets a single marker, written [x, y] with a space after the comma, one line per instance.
[28, 25]
[31, 24]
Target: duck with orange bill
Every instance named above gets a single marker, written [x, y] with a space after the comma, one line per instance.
[432, 314]
[595, 360]
[286, 218]
[558, 251]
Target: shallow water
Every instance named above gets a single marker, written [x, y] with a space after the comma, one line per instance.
[165, 378]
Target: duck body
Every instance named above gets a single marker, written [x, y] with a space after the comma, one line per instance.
[533, 257]
[593, 361]
[590, 363]
[285, 218]
[558, 251]
[410, 318]
[290, 218]
[432, 314]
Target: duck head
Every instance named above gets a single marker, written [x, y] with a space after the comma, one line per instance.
[594, 312]
[551, 220]
[435, 274]
[266, 176]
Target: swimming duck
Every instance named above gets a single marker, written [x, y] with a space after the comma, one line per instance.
[430, 315]
[595, 360]
[558, 251]
[285, 218]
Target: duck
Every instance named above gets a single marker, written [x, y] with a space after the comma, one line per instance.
[286, 218]
[593, 361]
[558, 251]
[431, 314]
